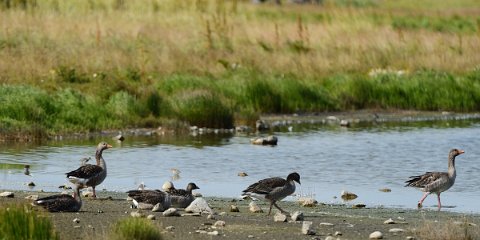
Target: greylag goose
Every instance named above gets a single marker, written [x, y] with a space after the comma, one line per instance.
[147, 199]
[436, 182]
[182, 198]
[273, 189]
[91, 175]
[61, 202]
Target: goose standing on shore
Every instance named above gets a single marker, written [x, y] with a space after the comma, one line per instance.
[273, 189]
[61, 202]
[91, 175]
[182, 198]
[436, 182]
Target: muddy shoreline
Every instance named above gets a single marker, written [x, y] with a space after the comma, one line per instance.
[97, 216]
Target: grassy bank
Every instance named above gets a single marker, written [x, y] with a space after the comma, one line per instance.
[70, 66]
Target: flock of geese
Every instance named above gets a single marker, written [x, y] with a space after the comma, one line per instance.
[270, 189]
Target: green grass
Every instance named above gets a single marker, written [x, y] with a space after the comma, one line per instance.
[134, 228]
[18, 222]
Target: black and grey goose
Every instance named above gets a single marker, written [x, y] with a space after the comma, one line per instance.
[273, 189]
[90, 175]
[182, 198]
[61, 202]
[147, 199]
[436, 182]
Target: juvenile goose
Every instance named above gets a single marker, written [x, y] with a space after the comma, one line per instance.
[436, 182]
[90, 175]
[182, 198]
[61, 202]
[147, 199]
[273, 189]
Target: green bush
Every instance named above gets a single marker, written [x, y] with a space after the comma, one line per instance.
[134, 228]
[18, 222]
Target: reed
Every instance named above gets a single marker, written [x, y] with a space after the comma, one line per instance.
[20, 222]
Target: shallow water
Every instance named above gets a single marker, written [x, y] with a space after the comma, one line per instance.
[361, 159]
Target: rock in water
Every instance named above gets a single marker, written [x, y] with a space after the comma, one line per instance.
[347, 196]
[254, 208]
[307, 228]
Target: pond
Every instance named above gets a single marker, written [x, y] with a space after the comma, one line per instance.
[359, 159]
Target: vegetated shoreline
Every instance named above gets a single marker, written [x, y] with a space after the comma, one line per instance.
[275, 121]
[98, 216]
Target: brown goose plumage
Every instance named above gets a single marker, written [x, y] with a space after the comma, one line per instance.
[181, 198]
[147, 199]
[61, 202]
[273, 189]
[436, 182]
[90, 175]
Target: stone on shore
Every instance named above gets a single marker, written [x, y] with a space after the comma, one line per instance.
[171, 212]
[280, 217]
[254, 208]
[137, 214]
[389, 221]
[7, 194]
[307, 228]
[376, 235]
[297, 216]
[347, 196]
[234, 208]
[158, 208]
[199, 205]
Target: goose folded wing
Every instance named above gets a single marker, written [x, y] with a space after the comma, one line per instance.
[147, 196]
[86, 171]
[266, 186]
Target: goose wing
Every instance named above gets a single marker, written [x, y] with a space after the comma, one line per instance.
[266, 186]
[428, 180]
[86, 171]
[57, 203]
[147, 196]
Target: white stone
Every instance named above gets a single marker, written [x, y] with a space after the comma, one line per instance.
[211, 217]
[137, 214]
[171, 212]
[7, 194]
[151, 217]
[389, 221]
[330, 238]
[213, 233]
[222, 214]
[76, 220]
[169, 228]
[396, 230]
[376, 235]
[297, 216]
[307, 228]
[32, 197]
[167, 186]
[326, 224]
[410, 238]
[199, 205]
[234, 208]
[280, 217]
[219, 224]
[337, 233]
[307, 202]
[254, 208]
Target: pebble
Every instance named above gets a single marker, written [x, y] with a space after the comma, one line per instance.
[222, 214]
[330, 238]
[199, 205]
[99, 211]
[234, 208]
[385, 190]
[326, 224]
[169, 228]
[389, 221]
[337, 233]
[32, 197]
[151, 217]
[213, 233]
[344, 123]
[297, 216]
[396, 230]
[77, 226]
[211, 217]
[171, 212]
[137, 214]
[307, 202]
[410, 238]
[250, 236]
[307, 228]
[242, 174]
[359, 205]
[158, 208]
[201, 231]
[7, 194]
[76, 220]
[254, 208]
[167, 186]
[347, 196]
[280, 217]
[270, 140]
[376, 235]
[219, 224]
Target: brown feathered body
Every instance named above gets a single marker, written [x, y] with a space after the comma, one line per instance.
[61, 202]
[147, 199]
[181, 198]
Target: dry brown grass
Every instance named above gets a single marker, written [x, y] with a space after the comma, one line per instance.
[450, 230]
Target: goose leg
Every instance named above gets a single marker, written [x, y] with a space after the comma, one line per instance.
[281, 210]
[439, 203]
[422, 199]
[270, 210]
[94, 194]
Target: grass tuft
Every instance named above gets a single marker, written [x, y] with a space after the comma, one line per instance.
[134, 228]
[19, 222]
[447, 231]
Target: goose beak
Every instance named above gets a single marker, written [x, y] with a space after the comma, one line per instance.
[461, 152]
[109, 146]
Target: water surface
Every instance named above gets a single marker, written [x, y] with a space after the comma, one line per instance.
[361, 159]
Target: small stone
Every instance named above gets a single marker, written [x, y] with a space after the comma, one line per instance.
[344, 123]
[31, 184]
[171, 212]
[396, 230]
[77, 226]
[211, 217]
[410, 238]
[254, 208]
[158, 208]
[137, 214]
[242, 174]
[87, 194]
[297, 216]
[219, 224]
[234, 208]
[307, 228]
[308, 202]
[7, 194]
[76, 220]
[222, 214]
[99, 211]
[347, 196]
[280, 217]
[359, 205]
[32, 197]
[337, 233]
[376, 235]
[327, 224]
[213, 233]
[169, 228]
[385, 190]
[389, 221]
[199, 205]
[330, 238]
[250, 236]
[151, 217]
[201, 231]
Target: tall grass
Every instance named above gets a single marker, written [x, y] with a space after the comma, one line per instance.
[134, 228]
[447, 231]
[19, 222]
